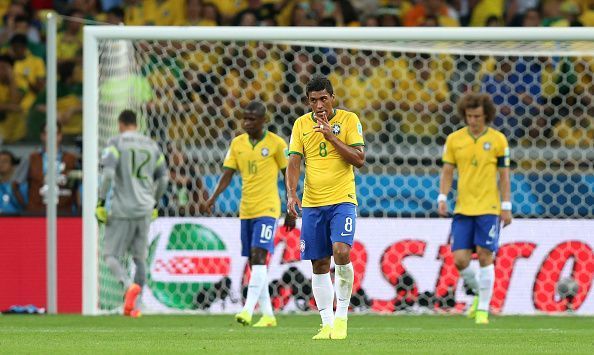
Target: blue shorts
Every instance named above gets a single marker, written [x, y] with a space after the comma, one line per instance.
[470, 231]
[323, 226]
[257, 233]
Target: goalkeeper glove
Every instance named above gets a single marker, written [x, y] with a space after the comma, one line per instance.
[155, 214]
[101, 212]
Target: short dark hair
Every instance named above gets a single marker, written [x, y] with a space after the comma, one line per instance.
[127, 117]
[6, 59]
[319, 83]
[256, 107]
[13, 159]
[19, 38]
[476, 100]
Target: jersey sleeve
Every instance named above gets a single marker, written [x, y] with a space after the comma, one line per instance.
[160, 167]
[354, 136]
[503, 154]
[230, 160]
[448, 152]
[296, 143]
[282, 152]
[110, 155]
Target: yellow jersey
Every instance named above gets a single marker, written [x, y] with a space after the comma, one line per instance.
[259, 164]
[477, 160]
[329, 179]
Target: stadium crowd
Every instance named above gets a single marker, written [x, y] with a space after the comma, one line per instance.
[22, 73]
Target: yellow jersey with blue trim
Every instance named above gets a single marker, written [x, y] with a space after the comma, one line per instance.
[477, 160]
[329, 179]
[259, 164]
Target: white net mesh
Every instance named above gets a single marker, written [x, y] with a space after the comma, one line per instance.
[191, 94]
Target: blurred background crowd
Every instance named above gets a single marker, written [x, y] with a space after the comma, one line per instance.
[420, 86]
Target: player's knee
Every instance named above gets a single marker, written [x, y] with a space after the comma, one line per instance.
[321, 266]
[342, 253]
[485, 257]
[461, 263]
[258, 256]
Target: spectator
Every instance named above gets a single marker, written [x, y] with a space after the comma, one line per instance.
[155, 12]
[494, 21]
[12, 122]
[69, 105]
[115, 15]
[551, 13]
[416, 15]
[70, 37]
[261, 12]
[36, 170]
[12, 194]
[300, 18]
[193, 13]
[485, 9]
[186, 193]
[531, 18]
[210, 15]
[29, 70]
[571, 13]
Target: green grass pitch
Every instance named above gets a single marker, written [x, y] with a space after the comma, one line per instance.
[367, 334]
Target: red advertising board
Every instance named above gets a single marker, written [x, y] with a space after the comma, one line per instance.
[23, 263]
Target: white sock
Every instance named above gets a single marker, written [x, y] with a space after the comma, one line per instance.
[264, 301]
[323, 291]
[257, 281]
[470, 279]
[486, 281]
[343, 285]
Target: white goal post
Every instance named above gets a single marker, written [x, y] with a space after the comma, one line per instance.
[93, 35]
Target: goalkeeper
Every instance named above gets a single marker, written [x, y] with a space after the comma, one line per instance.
[258, 155]
[134, 168]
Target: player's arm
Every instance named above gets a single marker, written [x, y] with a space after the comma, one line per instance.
[289, 219]
[505, 188]
[291, 180]
[161, 177]
[352, 155]
[445, 185]
[221, 186]
[109, 162]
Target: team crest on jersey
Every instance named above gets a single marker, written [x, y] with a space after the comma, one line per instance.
[487, 146]
[265, 152]
[302, 246]
[336, 129]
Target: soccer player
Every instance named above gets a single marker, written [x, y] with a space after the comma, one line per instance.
[331, 143]
[134, 168]
[258, 155]
[479, 153]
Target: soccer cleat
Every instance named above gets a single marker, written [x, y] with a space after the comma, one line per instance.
[324, 333]
[482, 317]
[135, 313]
[265, 321]
[130, 298]
[472, 310]
[339, 331]
[243, 317]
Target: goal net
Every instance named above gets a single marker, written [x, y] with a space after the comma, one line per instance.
[189, 90]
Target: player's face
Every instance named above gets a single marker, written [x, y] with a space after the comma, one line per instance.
[475, 118]
[252, 123]
[320, 102]
[5, 164]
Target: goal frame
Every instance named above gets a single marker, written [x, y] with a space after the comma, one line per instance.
[93, 34]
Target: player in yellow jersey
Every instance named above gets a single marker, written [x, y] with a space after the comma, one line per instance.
[331, 143]
[479, 153]
[258, 155]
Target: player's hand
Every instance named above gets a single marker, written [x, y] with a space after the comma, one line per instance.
[101, 214]
[442, 209]
[293, 200]
[506, 218]
[323, 125]
[155, 214]
[289, 222]
[208, 206]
